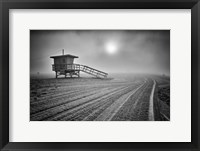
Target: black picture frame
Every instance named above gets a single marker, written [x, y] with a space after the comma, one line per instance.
[5, 5]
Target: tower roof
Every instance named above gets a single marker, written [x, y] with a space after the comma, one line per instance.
[68, 55]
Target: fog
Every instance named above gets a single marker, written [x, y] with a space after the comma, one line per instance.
[111, 51]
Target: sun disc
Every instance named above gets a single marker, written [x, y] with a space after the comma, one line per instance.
[111, 48]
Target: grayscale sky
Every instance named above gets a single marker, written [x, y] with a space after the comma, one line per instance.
[111, 51]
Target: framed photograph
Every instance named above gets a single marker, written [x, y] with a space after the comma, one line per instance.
[99, 75]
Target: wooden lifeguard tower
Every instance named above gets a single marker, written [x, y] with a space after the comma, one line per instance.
[64, 65]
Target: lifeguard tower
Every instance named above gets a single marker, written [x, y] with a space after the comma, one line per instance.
[64, 65]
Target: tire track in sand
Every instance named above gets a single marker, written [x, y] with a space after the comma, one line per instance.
[110, 112]
[96, 109]
[67, 106]
[151, 108]
[87, 107]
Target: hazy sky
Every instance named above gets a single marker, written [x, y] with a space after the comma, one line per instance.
[111, 51]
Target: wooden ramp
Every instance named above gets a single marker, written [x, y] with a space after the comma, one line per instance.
[93, 71]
